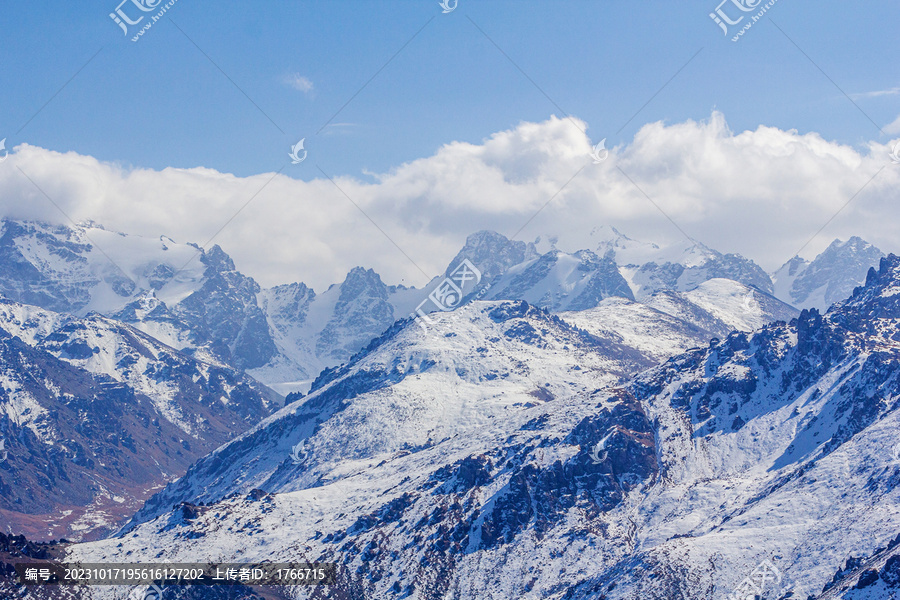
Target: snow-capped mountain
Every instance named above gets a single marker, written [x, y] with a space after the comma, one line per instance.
[619, 266]
[178, 293]
[87, 268]
[669, 322]
[96, 415]
[220, 317]
[681, 266]
[499, 457]
[705, 288]
[480, 363]
[315, 331]
[829, 278]
[559, 281]
[196, 301]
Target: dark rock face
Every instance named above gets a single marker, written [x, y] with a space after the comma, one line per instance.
[605, 281]
[868, 577]
[492, 253]
[74, 437]
[224, 314]
[361, 312]
[891, 572]
[618, 453]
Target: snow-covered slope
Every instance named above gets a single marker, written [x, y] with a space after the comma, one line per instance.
[682, 266]
[558, 281]
[196, 301]
[829, 278]
[314, 331]
[669, 322]
[411, 391]
[738, 306]
[493, 460]
[87, 268]
[655, 334]
[96, 415]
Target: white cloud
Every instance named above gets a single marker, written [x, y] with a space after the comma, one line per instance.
[299, 83]
[877, 93]
[762, 193]
[894, 127]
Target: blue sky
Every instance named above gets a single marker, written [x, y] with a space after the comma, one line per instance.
[160, 102]
[437, 125]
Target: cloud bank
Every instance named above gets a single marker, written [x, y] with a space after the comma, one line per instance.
[761, 193]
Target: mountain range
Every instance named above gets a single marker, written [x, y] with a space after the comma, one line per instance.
[97, 415]
[508, 453]
[128, 358]
[195, 300]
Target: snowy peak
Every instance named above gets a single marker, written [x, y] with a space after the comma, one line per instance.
[492, 253]
[87, 268]
[621, 266]
[361, 283]
[362, 311]
[685, 268]
[627, 251]
[829, 278]
[222, 315]
[216, 259]
[874, 307]
[225, 307]
[288, 302]
[558, 281]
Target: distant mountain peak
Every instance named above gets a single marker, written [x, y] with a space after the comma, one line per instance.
[218, 259]
[879, 296]
[828, 278]
[361, 282]
[491, 252]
